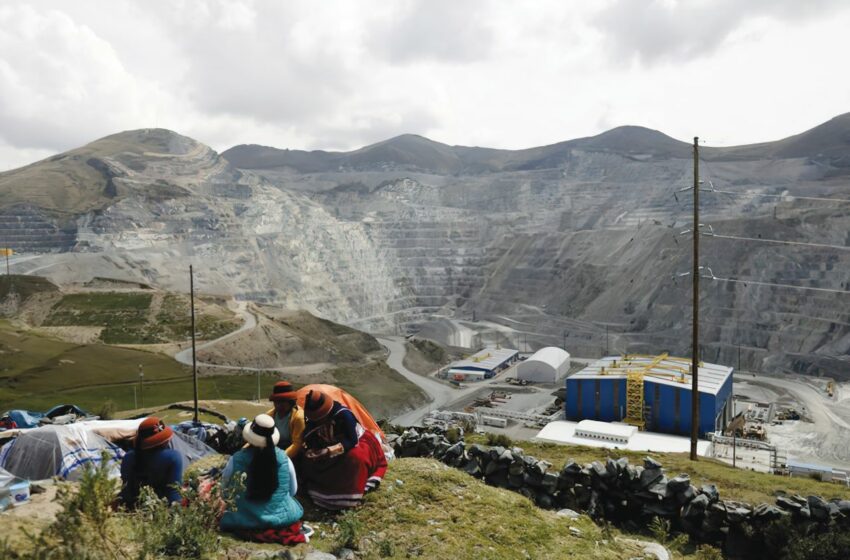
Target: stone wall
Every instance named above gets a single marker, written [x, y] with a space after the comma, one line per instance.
[625, 493]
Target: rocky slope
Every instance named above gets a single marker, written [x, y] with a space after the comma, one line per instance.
[548, 245]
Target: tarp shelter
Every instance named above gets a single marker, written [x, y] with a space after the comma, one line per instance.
[61, 451]
[547, 365]
[24, 418]
[65, 450]
[345, 398]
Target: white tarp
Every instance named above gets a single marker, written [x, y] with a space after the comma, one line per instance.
[63, 451]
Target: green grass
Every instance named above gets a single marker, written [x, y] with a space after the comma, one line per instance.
[381, 389]
[440, 512]
[24, 286]
[734, 484]
[126, 319]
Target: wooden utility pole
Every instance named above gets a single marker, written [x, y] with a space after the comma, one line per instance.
[695, 328]
[194, 363]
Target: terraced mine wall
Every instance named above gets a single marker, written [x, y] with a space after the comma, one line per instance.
[26, 229]
[634, 494]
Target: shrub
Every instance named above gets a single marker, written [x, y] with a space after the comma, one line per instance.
[85, 526]
[661, 531]
[107, 410]
[187, 531]
[348, 529]
[499, 439]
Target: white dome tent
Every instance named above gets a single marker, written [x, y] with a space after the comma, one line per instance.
[547, 365]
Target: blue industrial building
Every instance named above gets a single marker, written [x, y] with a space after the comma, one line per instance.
[652, 392]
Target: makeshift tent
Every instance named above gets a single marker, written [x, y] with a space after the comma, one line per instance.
[24, 418]
[56, 451]
[345, 398]
[64, 450]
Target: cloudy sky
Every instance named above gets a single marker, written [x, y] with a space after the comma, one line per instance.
[341, 74]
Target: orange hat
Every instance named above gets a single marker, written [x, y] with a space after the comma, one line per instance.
[283, 391]
[317, 405]
[153, 433]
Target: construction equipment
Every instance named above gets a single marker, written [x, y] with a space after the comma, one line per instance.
[830, 389]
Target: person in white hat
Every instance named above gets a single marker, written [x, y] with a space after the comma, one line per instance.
[266, 508]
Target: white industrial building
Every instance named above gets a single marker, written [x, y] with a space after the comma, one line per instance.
[615, 435]
[547, 365]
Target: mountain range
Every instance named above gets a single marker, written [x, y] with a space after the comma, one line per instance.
[577, 243]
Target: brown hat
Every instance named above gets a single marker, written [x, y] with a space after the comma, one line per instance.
[283, 391]
[317, 405]
[153, 433]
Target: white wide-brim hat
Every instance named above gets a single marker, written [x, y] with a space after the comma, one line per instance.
[255, 432]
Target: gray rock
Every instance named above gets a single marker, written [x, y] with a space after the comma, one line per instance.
[568, 513]
[767, 512]
[319, 555]
[650, 463]
[696, 507]
[575, 531]
[819, 508]
[711, 491]
[679, 483]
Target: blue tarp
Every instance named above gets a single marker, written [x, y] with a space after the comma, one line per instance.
[25, 418]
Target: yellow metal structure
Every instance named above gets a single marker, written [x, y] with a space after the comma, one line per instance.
[634, 400]
[637, 366]
[6, 252]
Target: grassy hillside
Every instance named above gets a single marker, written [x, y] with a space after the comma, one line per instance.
[292, 338]
[24, 286]
[37, 372]
[424, 356]
[140, 317]
[737, 484]
[82, 179]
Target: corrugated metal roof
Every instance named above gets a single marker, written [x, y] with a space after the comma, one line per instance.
[487, 359]
[551, 355]
[666, 372]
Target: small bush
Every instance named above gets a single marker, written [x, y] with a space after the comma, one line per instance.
[348, 530]
[188, 531]
[661, 531]
[107, 410]
[453, 435]
[706, 552]
[499, 439]
[85, 527]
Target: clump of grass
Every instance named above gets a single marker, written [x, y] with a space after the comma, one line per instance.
[85, 527]
[348, 530]
[499, 439]
[187, 531]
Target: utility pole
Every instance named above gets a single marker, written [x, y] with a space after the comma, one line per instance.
[142, 385]
[607, 349]
[695, 327]
[565, 340]
[194, 363]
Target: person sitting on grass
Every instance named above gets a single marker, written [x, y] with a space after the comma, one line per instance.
[288, 418]
[342, 460]
[265, 507]
[152, 463]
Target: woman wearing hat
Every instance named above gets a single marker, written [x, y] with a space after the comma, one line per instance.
[342, 460]
[265, 508]
[288, 418]
[152, 463]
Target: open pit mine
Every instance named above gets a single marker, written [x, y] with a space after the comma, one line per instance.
[578, 244]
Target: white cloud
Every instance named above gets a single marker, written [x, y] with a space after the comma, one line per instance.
[340, 74]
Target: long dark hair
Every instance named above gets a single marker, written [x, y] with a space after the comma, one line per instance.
[262, 472]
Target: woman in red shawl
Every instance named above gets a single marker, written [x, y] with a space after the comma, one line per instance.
[342, 460]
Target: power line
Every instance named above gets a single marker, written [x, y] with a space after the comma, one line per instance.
[776, 285]
[778, 241]
[785, 196]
